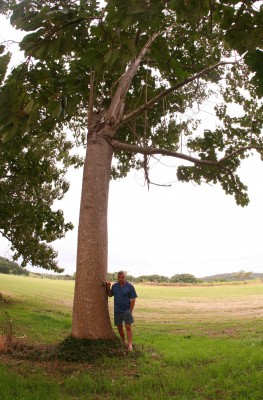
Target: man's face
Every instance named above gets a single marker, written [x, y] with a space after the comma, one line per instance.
[121, 279]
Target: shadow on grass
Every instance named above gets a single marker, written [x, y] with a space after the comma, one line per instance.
[70, 350]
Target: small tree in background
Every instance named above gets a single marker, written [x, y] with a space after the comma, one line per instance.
[183, 278]
[122, 77]
[242, 275]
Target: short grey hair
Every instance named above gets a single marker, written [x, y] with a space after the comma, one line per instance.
[121, 272]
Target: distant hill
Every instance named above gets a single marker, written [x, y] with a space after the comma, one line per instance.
[233, 276]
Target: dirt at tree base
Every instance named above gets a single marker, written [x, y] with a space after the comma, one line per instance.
[70, 355]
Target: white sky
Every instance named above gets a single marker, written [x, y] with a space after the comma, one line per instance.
[165, 231]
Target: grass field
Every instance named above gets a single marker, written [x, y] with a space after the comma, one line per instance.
[191, 343]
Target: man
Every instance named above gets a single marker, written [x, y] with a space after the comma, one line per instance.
[124, 301]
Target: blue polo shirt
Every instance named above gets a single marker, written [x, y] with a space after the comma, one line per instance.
[122, 296]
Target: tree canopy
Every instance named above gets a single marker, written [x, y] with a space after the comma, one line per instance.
[134, 70]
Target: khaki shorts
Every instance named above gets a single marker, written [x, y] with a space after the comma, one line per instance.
[125, 317]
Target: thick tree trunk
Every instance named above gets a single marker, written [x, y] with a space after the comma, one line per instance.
[90, 311]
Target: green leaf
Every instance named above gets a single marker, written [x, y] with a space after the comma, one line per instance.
[57, 109]
[41, 51]
[111, 57]
[92, 57]
[29, 106]
[4, 61]
[66, 45]
[138, 8]
[30, 41]
[64, 10]
[33, 116]
[255, 61]
[8, 132]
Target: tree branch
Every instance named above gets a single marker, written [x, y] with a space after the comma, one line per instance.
[238, 151]
[131, 148]
[117, 103]
[161, 95]
[74, 21]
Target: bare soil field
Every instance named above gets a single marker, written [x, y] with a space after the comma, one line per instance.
[251, 307]
[197, 305]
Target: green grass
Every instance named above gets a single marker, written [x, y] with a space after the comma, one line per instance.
[191, 343]
[34, 387]
[39, 308]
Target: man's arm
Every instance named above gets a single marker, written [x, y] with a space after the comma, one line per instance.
[132, 304]
[108, 288]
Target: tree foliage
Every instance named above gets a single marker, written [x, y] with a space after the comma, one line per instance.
[11, 267]
[31, 180]
[132, 70]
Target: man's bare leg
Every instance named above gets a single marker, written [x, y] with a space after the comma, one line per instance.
[121, 332]
[129, 336]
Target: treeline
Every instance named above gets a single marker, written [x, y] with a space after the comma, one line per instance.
[189, 278]
[60, 277]
[11, 267]
[178, 278]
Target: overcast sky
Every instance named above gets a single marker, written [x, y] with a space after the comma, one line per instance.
[181, 229]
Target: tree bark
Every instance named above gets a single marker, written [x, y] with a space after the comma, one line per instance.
[90, 310]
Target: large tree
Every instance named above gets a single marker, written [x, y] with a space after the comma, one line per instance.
[122, 77]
